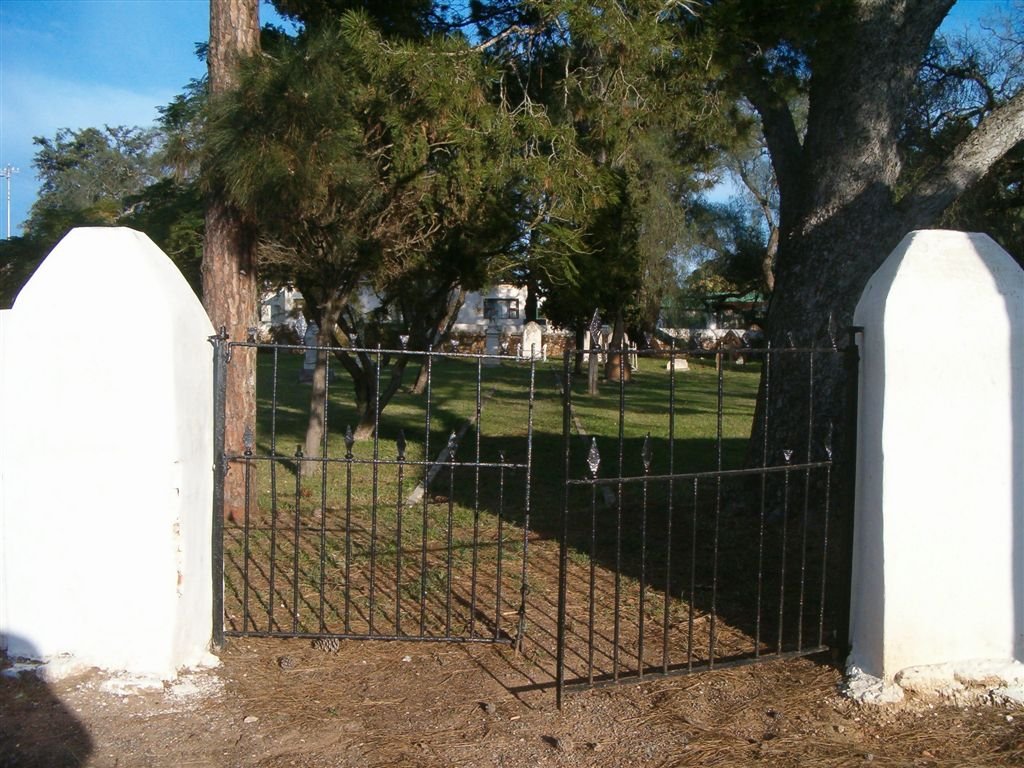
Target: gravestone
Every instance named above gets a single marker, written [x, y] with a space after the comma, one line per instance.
[939, 522]
[492, 343]
[309, 358]
[106, 456]
[533, 342]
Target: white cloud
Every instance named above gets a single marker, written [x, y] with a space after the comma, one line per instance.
[37, 105]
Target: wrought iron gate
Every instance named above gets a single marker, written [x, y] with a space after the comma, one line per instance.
[679, 549]
[376, 538]
[679, 555]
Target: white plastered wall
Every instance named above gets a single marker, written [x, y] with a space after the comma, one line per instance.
[105, 460]
[938, 545]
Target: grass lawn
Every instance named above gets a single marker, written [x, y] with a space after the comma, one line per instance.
[458, 387]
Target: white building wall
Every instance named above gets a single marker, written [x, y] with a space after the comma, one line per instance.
[106, 460]
[471, 315]
[939, 541]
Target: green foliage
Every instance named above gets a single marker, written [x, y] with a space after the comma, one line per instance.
[92, 170]
[629, 85]
[19, 258]
[172, 214]
[408, 19]
[730, 245]
[109, 177]
[181, 126]
[362, 158]
[366, 160]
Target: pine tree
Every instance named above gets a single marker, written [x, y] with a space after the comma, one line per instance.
[229, 269]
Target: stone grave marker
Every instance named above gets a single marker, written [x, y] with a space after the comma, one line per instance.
[533, 342]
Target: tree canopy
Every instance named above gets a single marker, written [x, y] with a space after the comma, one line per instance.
[859, 173]
[114, 176]
[564, 146]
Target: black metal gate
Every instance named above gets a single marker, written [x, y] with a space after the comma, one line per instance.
[682, 552]
[419, 530]
[682, 543]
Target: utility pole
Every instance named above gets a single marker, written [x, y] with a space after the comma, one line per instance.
[6, 172]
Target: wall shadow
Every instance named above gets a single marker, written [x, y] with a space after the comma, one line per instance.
[1015, 313]
[36, 729]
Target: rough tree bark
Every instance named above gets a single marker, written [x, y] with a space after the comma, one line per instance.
[229, 280]
[840, 210]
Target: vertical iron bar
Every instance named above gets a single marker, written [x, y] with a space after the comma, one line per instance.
[524, 584]
[824, 550]
[349, 443]
[220, 382]
[847, 482]
[807, 501]
[693, 577]
[426, 500]
[398, 534]
[713, 636]
[295, 555]
[246, 617]
[666, 618]
[501, 544]
[273, 493]
[376, 488]
[788, 456]
[563, 545]
[767, 378]
[323, 495]
[593, 464]
[593, 582]
[449, 537]
[618, 510]
[476, 500]
[646, 457]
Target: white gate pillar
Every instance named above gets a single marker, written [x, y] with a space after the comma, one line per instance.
[938, 562]
[106, 454]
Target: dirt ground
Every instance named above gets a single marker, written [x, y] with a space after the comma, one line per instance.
[283, 703]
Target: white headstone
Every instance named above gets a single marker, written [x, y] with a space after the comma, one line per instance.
[492, 343]
[106, 455]
[533, 341]
[939, 540]
[309, 358]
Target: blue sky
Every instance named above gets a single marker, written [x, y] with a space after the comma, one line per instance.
[81, 63]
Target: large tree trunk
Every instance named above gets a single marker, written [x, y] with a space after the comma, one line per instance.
[229, 279]
[843, 208]
[840, 210]
[817, 287]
